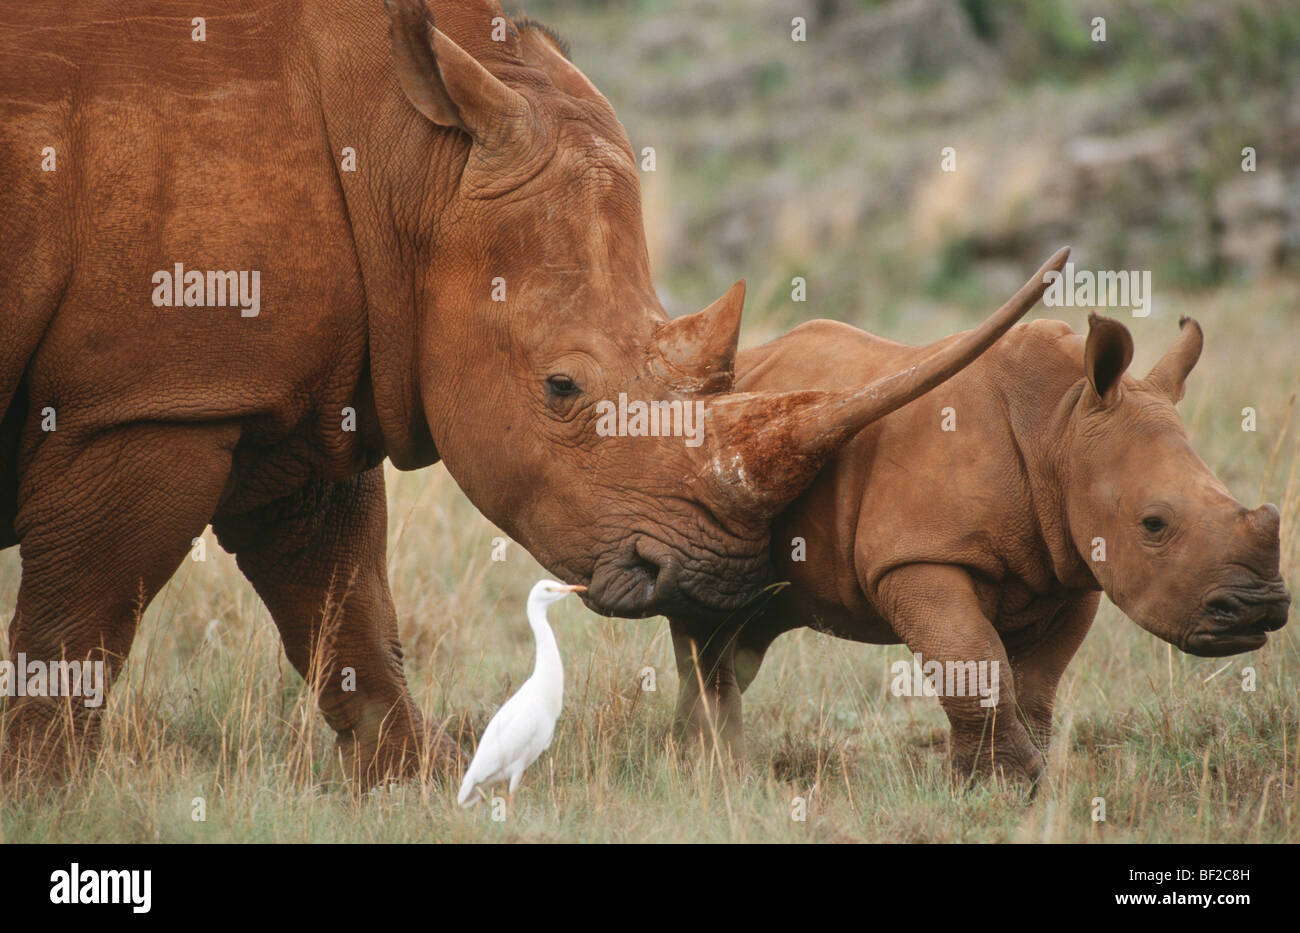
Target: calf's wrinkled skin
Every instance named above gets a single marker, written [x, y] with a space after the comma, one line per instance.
[481, 165]
[979, 544]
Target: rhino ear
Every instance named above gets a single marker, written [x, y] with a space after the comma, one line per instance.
[1106, 355]
[697, 352]
[446, 83]
[1170, 374]
[543, 48]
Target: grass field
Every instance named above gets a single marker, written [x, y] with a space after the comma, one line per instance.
[210, 709]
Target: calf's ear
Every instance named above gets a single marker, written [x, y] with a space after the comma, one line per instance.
[1170, 374]
[1106, 355]
[446, 83]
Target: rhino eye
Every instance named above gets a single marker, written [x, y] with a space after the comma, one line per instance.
[561, 386]
[1154, 524]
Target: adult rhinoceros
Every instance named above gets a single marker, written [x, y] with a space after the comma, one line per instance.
[381, 182]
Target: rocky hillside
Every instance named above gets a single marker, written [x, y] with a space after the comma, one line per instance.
[823, 158]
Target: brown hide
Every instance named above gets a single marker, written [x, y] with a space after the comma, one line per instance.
[985, 542]
[1039, 466]
[471, 292]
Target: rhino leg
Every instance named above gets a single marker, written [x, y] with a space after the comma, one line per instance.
[751, 647]
[317, 559]
[103, 524]
[708, 691]
[1038, 668]
[934, 609]
[11, 426]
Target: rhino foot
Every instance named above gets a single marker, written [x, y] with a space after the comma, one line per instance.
[1013, 758]
[421, 754]
[44, 743]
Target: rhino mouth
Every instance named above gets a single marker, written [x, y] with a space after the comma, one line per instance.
[1232, 622]
[633, 583]
[646, 577]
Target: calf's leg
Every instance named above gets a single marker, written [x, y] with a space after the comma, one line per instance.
[1038, 668]
[317, 559]
[725, 667]
[935, 610]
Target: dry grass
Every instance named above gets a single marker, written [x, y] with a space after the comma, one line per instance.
[210, 709]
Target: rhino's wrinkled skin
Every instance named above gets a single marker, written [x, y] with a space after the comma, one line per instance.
[484, 170]
[982, 543]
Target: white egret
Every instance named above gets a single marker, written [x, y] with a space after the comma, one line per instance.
[522, 729]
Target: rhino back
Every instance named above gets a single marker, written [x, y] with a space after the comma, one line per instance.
[210, 154]
[905, 490]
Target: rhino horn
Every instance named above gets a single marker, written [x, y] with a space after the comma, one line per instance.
[697, 352]
[1170, 374]
[768, 446]
[446, 83]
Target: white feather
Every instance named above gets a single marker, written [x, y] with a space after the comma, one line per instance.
[524, 726]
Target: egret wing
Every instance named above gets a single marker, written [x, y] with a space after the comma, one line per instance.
[511, 740]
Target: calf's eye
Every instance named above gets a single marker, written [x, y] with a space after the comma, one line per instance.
[1154, 524]
[561, 386]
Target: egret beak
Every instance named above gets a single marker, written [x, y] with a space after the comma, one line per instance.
[573, 589]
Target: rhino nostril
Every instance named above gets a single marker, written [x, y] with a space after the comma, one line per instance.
[643, 566]
[1222, 608]
[655, 561]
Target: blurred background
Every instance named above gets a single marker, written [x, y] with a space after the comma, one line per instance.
[821, 158]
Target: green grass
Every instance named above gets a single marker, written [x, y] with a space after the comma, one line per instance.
[1177, 749]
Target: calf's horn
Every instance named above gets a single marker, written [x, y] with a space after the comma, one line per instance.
[768, 446]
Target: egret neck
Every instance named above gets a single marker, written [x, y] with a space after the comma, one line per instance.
[548, 671]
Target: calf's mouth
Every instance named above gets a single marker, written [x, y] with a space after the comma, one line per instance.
[1233, 620]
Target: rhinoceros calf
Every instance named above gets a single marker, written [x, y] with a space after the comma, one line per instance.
[1060, 477]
